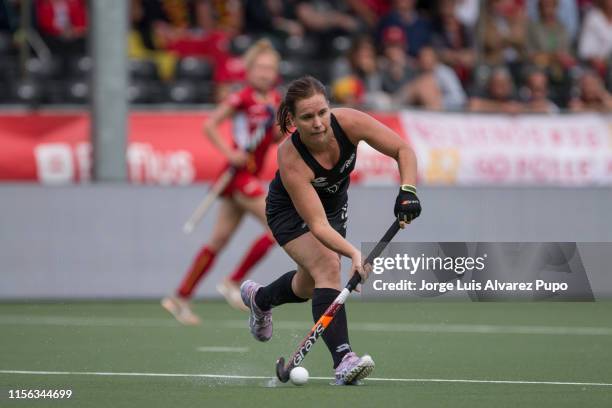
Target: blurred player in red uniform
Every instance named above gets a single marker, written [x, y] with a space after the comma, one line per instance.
[253, 111]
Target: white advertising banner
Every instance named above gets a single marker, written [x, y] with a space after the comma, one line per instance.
[476, 149]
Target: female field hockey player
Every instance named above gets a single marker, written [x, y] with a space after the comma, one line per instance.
[306, 209]
[253, 110]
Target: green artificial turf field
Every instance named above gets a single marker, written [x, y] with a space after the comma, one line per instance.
[427, 354]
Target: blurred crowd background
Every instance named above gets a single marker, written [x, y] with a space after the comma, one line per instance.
[509, 56]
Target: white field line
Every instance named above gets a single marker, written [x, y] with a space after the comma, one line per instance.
[222, 349]
[260, 377]
[366, 326]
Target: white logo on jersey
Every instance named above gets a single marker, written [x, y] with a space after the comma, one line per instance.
[320, 182]
[347, 163]
[333, 189]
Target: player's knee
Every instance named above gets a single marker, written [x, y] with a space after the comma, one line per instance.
[326, 267]
[331, 264]
[218, 242]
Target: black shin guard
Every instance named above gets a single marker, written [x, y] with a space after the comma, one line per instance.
[277, 293]
[336, 335]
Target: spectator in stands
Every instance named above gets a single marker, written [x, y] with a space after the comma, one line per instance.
[592, 95]
[566, 12]
[418, 30]
[175, 19]
[192, 28]
[141, 46]
[549, 47]
[535, 93]
[370, 11]
[169, 29]
[549, 43]
[453, 40]
[503, 34]
[363, 86]
[595, 45]
[228, 15]
[326, 19]
[63, 25]
[144, 15]
[271, 17]
[467, 12]
[436, 87]
[397, 68]
[584, 6]
[498, 96]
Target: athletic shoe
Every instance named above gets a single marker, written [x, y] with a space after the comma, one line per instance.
[231, 292]
[260, 322]
[353, 368]
[181, 310]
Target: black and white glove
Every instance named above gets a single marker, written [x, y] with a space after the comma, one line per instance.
[407, 204]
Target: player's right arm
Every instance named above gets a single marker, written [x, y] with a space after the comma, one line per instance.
[296, 177]
[236, 157]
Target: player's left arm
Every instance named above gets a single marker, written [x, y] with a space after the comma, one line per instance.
[361, 126]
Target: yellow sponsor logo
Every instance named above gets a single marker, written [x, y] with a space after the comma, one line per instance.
[443, 166]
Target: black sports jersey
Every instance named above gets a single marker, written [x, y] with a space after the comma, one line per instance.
[331, 185]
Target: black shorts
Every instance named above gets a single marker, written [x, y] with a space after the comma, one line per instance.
[287, 225]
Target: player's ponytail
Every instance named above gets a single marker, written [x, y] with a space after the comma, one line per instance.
[282, 117]
[301, 88]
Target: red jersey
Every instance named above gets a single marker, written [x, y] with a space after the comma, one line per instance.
[56, 18]
[254, 124]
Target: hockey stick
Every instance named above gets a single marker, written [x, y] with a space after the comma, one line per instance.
[222, 182]
[208, 200]
[282, 371]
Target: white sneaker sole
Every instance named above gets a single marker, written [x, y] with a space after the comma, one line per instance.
[360, 371]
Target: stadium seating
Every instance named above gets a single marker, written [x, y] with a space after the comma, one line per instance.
[27, 92]
[143, 70]
[193, 68]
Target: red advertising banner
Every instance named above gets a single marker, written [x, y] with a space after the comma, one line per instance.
[169, 148]
[166, 148]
